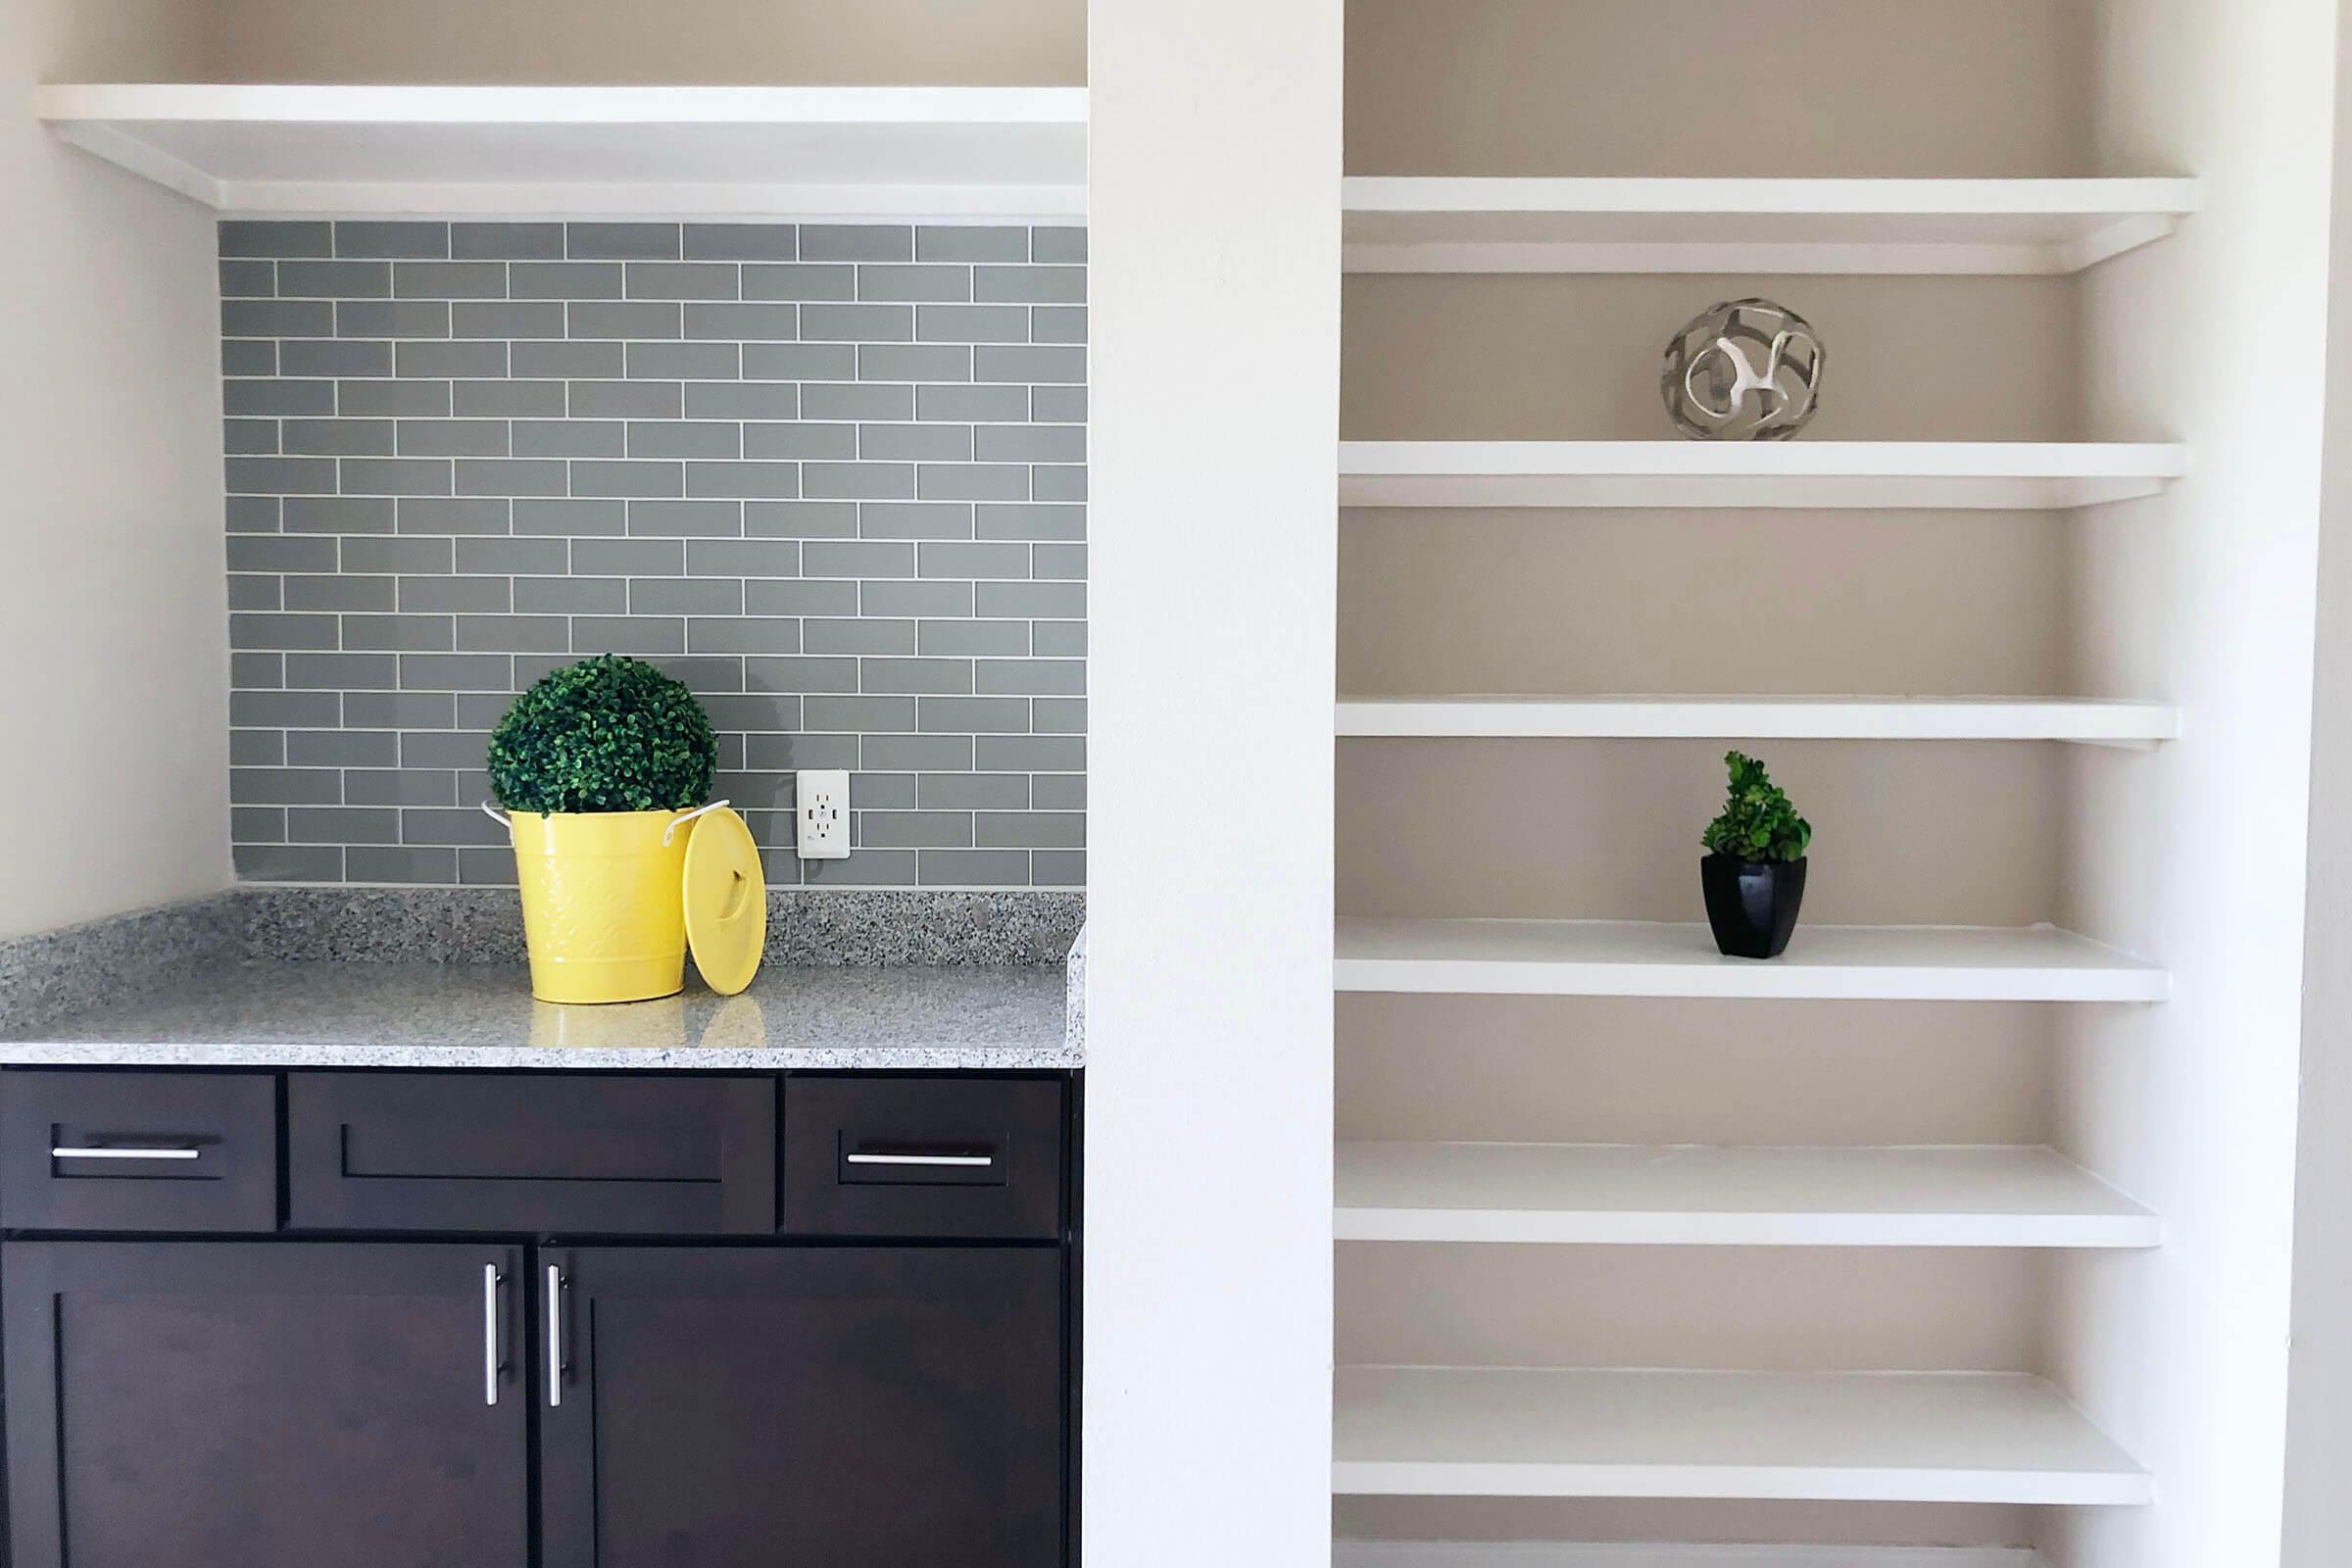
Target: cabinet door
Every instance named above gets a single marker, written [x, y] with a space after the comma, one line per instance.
[743, 1408]
[305, 1405]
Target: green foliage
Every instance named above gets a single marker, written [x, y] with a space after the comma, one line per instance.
[1758, 822]
[606, 734]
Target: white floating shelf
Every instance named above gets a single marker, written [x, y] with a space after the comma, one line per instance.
[1665, 1554]
[1448, 224]
[1860, 1437]
[1868, 718]
[720, 152]
[1877, 476]
[1646, 959]
[1619, 1195]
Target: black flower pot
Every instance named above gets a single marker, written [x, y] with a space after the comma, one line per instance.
[1751, 905]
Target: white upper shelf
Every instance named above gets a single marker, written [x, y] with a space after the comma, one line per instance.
[1877, 476]
[1842, 1437]
[1447, 225]
[1650, 959]
[1868, 719]
[1621, 1194]
[720, 152]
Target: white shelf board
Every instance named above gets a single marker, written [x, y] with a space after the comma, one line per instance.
[1665, 1554]
[1860, 1437]
[720, 152]
[1878, 475]
[1457, 224]
[1621, 1194]
[1650, 959]
[1870, 719]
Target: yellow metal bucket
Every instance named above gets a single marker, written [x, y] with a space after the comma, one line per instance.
[601, 904]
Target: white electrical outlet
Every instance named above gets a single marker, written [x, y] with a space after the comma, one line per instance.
[821, 798]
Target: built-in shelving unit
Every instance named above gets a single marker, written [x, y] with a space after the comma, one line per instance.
[1875, 476]
[1861, 719]
[1884, 591]
[1863, 1437]
[798, 152]
[1451, 224]
[1645, 959]
[1621, 1194]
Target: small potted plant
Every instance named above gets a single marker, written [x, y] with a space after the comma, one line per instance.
[1753, 872]
[596, 762]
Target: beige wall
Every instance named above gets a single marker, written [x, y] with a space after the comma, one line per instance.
[1532, 358]
[1717, 87]
[1615, 1519]
[1929, 833]
[1013, 42]
[1613, 1069]
[112, 621]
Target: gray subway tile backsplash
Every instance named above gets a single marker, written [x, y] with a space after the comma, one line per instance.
[831, 476]
[857, 242]
[250, 237]
[741, 242]
[506, 241]
[634, 242]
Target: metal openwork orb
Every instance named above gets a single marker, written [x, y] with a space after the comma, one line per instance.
[1744, 371]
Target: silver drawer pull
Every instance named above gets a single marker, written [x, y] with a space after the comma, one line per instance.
[969, 1161]
[122, 1152]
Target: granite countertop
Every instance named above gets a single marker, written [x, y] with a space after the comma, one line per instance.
[325, 1013]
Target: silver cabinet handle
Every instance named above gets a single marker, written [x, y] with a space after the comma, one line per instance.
[124, 1151]
[554, 1337]
[978, 1161]
[492, 1279]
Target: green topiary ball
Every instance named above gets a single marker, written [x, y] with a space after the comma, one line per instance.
[606, 734]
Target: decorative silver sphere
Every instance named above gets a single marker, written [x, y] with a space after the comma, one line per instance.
[1744, 371]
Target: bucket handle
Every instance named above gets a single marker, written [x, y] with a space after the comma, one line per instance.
[508, 822]
[680, 821]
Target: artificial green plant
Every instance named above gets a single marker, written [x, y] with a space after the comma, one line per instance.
[1758, 822]
[606, 734]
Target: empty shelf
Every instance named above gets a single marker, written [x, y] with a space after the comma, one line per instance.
[1606, 1194]
[1450, 224]
[1862, 1437]
[1646, 959]
[1878, 475]
[655, 151]
[1919, 719]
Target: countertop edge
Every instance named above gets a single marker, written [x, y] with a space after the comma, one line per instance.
[933, 1055]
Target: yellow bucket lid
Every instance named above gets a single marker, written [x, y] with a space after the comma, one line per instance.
[726, 901]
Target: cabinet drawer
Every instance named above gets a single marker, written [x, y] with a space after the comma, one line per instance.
[960, 1157]
[138, 1152]
[500, 1152]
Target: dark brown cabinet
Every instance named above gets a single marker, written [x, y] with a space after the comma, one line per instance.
[884, 1406]
[682, 1155]
[138, 1152]
[520, 1320]
[240, 1405]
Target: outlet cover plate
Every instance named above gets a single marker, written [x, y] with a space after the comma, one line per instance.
[821, 814]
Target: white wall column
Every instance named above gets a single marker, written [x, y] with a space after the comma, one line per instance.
[1216, 283]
